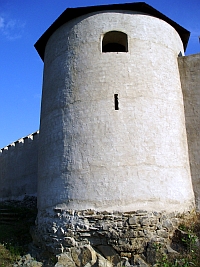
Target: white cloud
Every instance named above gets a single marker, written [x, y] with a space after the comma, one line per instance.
[12, 29]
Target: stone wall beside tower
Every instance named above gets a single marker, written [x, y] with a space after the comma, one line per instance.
[18, 168]
[189, 67]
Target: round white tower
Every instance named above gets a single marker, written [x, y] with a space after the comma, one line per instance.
[112, 133]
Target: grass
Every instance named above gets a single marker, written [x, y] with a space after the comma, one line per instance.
[188, 248]
[15, 237]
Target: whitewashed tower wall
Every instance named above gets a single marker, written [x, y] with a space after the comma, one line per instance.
[92, 156]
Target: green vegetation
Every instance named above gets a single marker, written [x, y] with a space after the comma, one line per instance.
[15, 223]
[188, 248]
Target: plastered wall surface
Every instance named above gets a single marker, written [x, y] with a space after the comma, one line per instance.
[18, 168]
[190, 79]
[93, 156]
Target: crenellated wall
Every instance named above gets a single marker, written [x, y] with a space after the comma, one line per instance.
[18, 168]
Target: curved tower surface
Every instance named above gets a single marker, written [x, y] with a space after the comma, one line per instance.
[112, 133]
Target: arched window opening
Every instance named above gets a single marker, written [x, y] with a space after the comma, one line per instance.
[115, 41]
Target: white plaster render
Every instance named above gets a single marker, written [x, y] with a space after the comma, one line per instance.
[93, 156]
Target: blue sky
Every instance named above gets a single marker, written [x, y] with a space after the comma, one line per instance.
[22, 22]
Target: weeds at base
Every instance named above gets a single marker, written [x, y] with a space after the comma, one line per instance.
[14, 238]
[190, 254]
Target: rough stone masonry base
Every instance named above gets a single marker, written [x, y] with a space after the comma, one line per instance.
[91, 238]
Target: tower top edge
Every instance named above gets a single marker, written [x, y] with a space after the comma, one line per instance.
[72, 13]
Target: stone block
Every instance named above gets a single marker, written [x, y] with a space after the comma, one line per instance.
[162, 233]
[69, 242]
[167, 224]
[88, 255]
[102, 262]
[141, 234]
[64, 260]
[110, 254]
[144, 221]
[133, 220]
[126, 254]
[75, 254]
[124, 262]
[83, 255]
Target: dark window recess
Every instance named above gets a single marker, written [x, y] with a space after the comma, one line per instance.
[116, 100]
[114, 47]
[115, 41]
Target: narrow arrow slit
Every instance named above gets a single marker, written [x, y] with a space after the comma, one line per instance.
[116, 100]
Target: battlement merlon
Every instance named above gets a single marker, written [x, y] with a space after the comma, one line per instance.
[21, 141]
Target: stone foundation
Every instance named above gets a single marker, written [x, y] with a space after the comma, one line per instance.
[128, 236]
